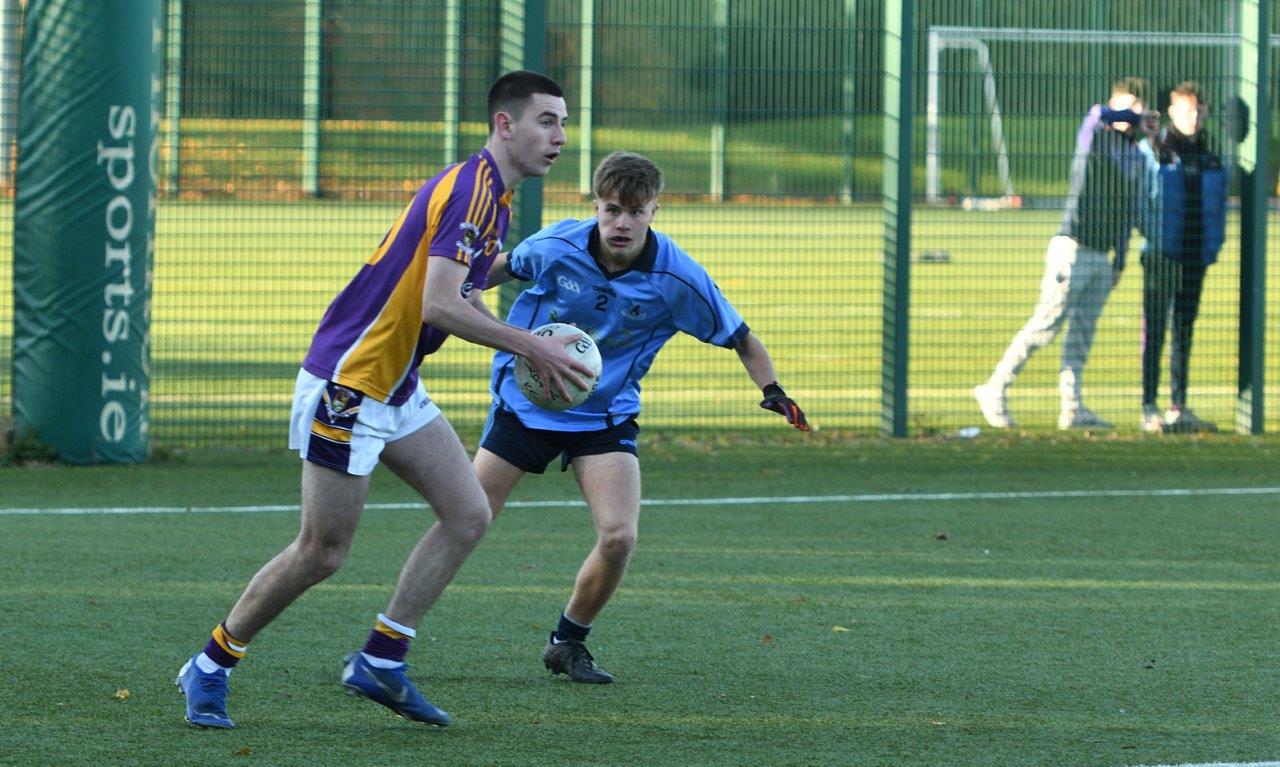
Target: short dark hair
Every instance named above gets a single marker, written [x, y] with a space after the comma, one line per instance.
[634, 178]
[1134, 86]
[1188, 89]
[510, 92]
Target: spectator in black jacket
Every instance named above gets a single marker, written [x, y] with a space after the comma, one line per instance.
[1187, 191]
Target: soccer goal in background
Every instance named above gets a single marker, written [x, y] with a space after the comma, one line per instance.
[1146, 54]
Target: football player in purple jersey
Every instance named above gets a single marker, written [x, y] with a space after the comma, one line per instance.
[358, 401]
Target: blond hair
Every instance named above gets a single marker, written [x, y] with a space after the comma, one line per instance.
[634, 179]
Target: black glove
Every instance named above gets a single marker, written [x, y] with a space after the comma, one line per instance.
[776, 399]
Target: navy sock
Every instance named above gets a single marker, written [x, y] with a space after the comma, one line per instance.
[571, 631]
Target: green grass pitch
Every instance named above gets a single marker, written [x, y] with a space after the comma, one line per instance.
[954, 630]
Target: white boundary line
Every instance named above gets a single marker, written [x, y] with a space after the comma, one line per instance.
[1217, 764]
[788, 499]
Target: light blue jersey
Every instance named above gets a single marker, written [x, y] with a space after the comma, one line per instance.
[631, 314]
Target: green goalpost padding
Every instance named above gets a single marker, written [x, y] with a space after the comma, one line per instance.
[84, 221]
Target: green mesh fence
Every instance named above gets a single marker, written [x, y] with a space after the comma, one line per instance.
[305, 127]
[296, 130]
[767, 133]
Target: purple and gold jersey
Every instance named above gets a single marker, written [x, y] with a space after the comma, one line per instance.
[372, 337]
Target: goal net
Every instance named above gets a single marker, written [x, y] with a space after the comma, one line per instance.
[1030, 87]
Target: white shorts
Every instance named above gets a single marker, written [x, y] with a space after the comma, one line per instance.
[343, 429]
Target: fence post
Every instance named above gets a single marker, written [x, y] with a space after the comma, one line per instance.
[899, 63]
[932, 108]
[847, 93]
[1254, 87]
[524, 46]
[10, 56]
[173, 93]
[452, 79]
[721, 116]
[529, 200]
[585, 76]
[311, 53]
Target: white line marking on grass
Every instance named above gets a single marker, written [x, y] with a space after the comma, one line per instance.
[1217, 764]
[785, 499]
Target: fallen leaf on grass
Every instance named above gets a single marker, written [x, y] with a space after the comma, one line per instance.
[937, 722]
[122, 694]
[245, 751]
[767, 639]
[839, 629]
[942, 536]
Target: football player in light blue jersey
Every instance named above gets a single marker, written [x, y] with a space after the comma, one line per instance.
[632, 289]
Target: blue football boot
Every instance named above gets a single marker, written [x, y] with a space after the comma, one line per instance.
[390, 687]
[206, 696]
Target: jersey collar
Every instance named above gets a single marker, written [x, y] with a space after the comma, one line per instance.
[643, 263]
[500, 193]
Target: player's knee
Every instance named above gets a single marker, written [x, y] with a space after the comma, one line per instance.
[470, 524]
[617, 544]
[321, 559]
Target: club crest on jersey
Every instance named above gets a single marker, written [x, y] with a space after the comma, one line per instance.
[470, 233]
[618, 339]
[635, 312]
[341, 402]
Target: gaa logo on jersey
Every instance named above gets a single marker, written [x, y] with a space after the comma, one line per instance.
[341, 402]
[568, 284]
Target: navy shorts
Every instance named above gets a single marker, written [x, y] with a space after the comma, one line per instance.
[532, 450]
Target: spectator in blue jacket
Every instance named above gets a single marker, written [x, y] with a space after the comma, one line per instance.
[1186, 194]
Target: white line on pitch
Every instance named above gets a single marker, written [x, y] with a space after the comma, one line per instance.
[1218, 764]
[761, 499]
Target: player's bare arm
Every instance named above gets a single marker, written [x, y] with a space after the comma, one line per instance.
[476, 299]
[755, 358]
[498, 273]
[444, 306]
[759, 365]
